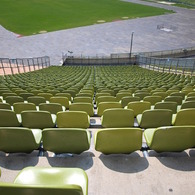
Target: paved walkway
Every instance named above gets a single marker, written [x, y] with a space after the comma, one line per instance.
[107, 38]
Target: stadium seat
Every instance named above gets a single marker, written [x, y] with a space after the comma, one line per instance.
[66, 140]
[13, 99]
[19, 139]
[101, 94]
[107, 105]
[73, 119]
[117, 117]
[184, 117]
[167, 105]
[4, 95]
[36, 100]
[181, 94]
[26, 95]
[118, 140]
[68, 95]
[106, 99]
[120, 95]
[153, 99]
[170, 138]
[47, 96]
[86, 107]
[21, 106]
[61, 100]
[53, 108]
[177, 99]
[138, 107]
[155, 118]
[83, 100]
[8, 118]
[126, 100]
[48, 181]
[37, 119]
[5, 106]
[188, 104]
[141, 95]
[162, 94]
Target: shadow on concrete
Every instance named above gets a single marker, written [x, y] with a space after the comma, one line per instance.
[125, 163]
[180, 163]
[168, 154]
[18, 163]
[82, 162]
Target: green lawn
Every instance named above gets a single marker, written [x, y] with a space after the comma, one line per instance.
[27, 17]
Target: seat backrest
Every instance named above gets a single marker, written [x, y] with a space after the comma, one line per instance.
[61, 100]
[185, 117]
[188, 104]
[167, 105]
[47, 96]
[120, 95]
[106, 105]
[13, 99]
[171, 138]
[162, 94]
[21, 106]
[68, 95]
[142, 94]
[53, 108]
[139, 107]
[83, 99]
[156, 118]
[8, 118]
[5, 106]
[106, 99]
[48, 181]
[181, 94]
[18, 139]
[72, 119]
[36, 100]
[26, 95]
[126, 100]
[118, 140]
[153, 99]
[86, 107]
[117, 117]
[177, 99]
[66, 140]
[9, 94]
[101, 94]
[37, 119]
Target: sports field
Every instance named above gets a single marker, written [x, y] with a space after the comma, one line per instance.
[35, 16]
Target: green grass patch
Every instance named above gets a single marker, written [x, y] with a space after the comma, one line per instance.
[29, 17]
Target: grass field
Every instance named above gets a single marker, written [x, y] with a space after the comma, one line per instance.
[27, 17]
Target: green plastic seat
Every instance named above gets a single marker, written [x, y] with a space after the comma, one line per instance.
[68, 95]
[141, 95]
[177, 99]
[36, 91]
[118, 140]
[101, 94]
[188, 104]
[37, 119]
[84, 95]
[106, 99]
[83, 100]
[120, 95]
[36, 100]
[5, 106]
[155, 118]
[167, 105]
[20, 91]
[47, 96]
[13, 99]
[64, 101]
[181, 94]
[66, 140]
[184, 117]
[108, 91]
[86, 107]
[138, 107]
[107, 105]
[4, 95]
[73, 119]
[53, 108]
[48, 181]
[153, 99]
[163, 94]
[170, 138]
[21, 106]
[19, 139]
[8, 118]
[117, 117]
[26, 95]
[126, 100]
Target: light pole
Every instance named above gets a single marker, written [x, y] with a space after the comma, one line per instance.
[131, 44]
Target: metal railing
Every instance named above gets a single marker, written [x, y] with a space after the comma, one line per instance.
[171, 65]
[22, 65]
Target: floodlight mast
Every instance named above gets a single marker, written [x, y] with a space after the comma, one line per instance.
[131, 45]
